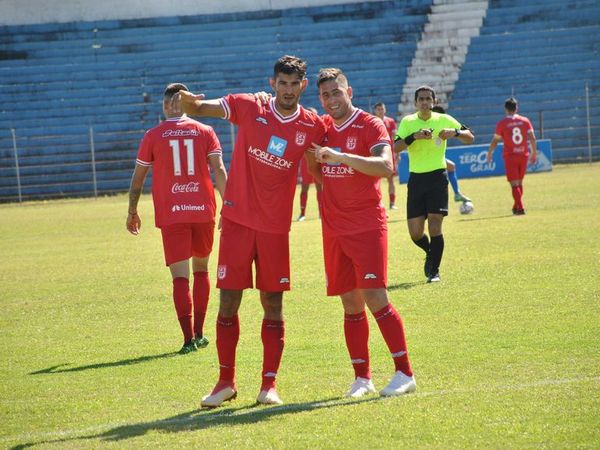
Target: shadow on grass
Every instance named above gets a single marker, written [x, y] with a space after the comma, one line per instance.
[61, 368]
[404, 286]
[476, 219]
[200, 419]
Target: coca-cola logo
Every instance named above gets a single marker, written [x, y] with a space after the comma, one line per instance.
[192, 186]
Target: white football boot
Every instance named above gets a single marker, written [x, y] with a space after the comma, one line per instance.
[269, 397]
[217, 398]
[360, 387]
[398, 385]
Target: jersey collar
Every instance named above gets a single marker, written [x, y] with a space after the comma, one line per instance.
[348, 121]
[282, 118]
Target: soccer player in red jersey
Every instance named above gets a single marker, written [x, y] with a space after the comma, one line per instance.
[357, 155]
[390, 124]
[257, 213]
[180, 151]
[517, 133]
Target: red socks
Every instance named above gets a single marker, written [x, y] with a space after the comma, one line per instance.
[201, 295]
[517, 193]
[228, 334]
[272, 335]
[303, 201]
[183, 306]
[356, 331]
[391, 327]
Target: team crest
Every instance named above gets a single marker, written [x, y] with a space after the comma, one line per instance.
[351, 143]
[221, 272]
[300, 137]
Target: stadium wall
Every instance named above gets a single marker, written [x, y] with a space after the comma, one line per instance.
[21, 12]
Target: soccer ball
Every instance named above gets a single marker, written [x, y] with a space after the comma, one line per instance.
[466, 208]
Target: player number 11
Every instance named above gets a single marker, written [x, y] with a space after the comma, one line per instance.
[189, 146]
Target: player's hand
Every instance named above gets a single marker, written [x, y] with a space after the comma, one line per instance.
[488, 157]
[184, 102]
[446, 133]
[262, 97]
[133, 223]
[533, 158]
[326, 154]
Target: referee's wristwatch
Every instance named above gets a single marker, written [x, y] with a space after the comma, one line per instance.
[456, 132]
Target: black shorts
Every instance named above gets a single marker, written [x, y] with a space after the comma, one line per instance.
[427, 194]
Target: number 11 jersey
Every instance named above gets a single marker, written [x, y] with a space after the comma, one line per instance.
[178, 151]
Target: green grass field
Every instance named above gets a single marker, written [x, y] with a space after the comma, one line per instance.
[506, 350]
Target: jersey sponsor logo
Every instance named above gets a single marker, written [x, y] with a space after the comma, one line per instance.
[277, 146]
[221, 272]
[370, 276]
[351, 142]
[192, 186]
[262, 120]
[183, 208]
[300, 137]
[170, 133]
[336, 171]
[227, 203]
[270, 159]
[357, 126]
[306, 124]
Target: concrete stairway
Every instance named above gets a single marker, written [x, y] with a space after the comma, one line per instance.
[442, 49]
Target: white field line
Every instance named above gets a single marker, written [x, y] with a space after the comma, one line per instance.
[80, 432]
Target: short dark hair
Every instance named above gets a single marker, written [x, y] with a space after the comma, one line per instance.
[424, 88]
[378, 104]
[174, 88]
[290, 65]
[331, 73]
[511, 104]
[439, 109]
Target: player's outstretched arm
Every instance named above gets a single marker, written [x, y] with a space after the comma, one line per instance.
[134, 222]
[378, 165]
[195, 105]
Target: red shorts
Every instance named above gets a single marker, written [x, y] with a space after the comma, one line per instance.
[355, 261]
[515, 167]
[240, 246]
[184, 240]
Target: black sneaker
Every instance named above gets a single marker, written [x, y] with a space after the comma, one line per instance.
[188, 347]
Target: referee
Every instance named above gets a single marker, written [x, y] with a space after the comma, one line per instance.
[424, 135]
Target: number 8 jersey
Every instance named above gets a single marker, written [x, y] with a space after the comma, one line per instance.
[514, 131]
[178, 151]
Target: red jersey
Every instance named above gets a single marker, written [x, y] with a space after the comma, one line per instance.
[265, 161]
[515, 134]
[390, 125]
[182, 189]
[351, 200]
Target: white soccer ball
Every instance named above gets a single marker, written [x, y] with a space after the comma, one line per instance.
[466, 208]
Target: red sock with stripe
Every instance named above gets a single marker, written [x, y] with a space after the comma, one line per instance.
[201, 295]
[356, 332]
[390, 325]
[183, 306]
[272, 334]
[228, 334]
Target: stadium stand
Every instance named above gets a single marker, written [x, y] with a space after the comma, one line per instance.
[543, 52]
[64, 86]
